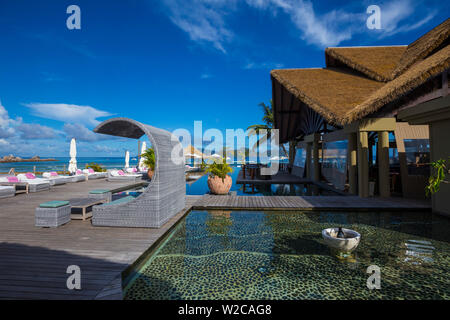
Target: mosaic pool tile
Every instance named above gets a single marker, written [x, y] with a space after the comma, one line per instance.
[275, 255]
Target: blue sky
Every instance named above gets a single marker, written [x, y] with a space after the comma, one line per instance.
[168, 63]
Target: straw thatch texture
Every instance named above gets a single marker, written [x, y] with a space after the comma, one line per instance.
[411, 79]
[165, 195]
[331, 92]
[377, 63]
[423, 47]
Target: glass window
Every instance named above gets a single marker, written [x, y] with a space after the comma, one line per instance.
[300, 158]
[418, 156]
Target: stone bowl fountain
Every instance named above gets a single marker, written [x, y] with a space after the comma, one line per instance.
[344, 244]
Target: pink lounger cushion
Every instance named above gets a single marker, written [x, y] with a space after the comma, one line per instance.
[13, 179]
[91, 171]
[79, 171]
[121, 173]
[29, 175]
[53, 174]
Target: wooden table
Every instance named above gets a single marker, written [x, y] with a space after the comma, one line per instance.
[83, 204]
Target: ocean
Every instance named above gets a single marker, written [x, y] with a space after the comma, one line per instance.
[107, 162]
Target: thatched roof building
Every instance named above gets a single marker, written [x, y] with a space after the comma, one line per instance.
[358, 82]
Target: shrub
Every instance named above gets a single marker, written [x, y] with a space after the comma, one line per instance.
[440, 171]
[149, 158]
[95, 166]
[220, 170]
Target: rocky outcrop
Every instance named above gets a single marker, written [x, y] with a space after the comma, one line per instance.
[12, 158]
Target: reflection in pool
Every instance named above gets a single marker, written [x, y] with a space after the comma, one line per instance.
[200, 187]
[273, 255]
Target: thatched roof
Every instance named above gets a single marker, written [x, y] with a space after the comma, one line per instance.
[377, 63]
[411, 79]
[192, 150]
[326, 91]
[424, 46]
[359, 81]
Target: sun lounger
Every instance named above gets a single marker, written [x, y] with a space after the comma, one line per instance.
[55, 179]
[7, 191]
[34, 184]
[91, 174]
[119, 175]
[13, 181]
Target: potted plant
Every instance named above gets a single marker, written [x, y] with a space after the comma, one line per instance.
[149, 161]
[219, 182]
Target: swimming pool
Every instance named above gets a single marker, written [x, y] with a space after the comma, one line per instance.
[200, 187]
[273, 255]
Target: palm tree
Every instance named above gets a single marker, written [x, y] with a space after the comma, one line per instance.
[267, 126]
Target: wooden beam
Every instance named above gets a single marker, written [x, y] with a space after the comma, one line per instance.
[372, 124]
[352, 162]
[383, 164]
[363, 164]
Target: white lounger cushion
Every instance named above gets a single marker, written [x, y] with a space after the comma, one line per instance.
[6, 192]
[48, 175]
[115, 173]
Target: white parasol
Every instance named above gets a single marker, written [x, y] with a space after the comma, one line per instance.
[73, 156]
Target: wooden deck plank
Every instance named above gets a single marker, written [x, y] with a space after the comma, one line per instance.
[34, 260]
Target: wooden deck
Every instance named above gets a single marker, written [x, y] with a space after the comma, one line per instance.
[33, 261]
[286, 203]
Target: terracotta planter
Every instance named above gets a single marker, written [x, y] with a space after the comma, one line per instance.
[150, 173]
[217, 186]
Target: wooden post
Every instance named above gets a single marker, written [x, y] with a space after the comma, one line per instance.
[363, 164]
[308, 161]
[34, 170]
[316, 159]
[383, 164]
[352, 164]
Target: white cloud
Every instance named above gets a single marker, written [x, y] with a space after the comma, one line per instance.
[105, 149]
[202, 20]
[68, 112]
[6, 123]
[393, 15]
[205, 20]
[36, 131]
[263, 65]
[81, 133]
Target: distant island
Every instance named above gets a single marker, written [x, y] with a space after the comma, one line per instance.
[11, 158]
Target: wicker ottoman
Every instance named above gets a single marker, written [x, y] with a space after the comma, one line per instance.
[101, 194]
[52, 214]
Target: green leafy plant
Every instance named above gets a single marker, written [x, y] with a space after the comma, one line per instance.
[264, 131]
[203, 165]
[220, 170]
[149, 158]
[440, 169]
[95, 166]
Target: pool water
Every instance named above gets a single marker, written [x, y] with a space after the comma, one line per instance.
[200, 187]
[273, 255]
